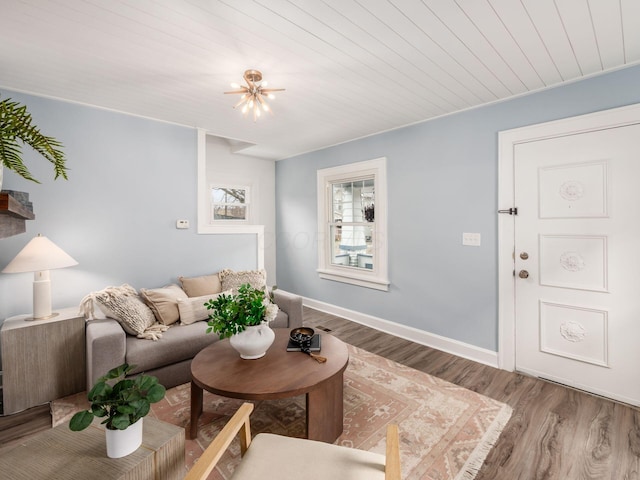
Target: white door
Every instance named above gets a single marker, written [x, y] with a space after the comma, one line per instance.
[577, 235]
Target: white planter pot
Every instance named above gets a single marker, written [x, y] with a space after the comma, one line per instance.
[254, 341]
[123, 442]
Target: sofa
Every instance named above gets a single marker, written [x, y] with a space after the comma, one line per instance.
[166, 351]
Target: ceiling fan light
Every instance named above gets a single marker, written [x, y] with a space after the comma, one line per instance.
[253, 93]
[242, 100]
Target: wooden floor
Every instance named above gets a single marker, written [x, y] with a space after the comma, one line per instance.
[554, 432]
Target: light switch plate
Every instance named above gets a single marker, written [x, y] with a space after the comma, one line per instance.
[471, 239]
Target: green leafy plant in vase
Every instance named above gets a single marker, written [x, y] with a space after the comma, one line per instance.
[233, 313]
[244, 318]
[122, 402]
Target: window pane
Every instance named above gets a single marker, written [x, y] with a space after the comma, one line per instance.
[228, 195]
[229, 212]
[352, 245]
[218, 195]
[339, 194]
[367, 194]
[353, 201]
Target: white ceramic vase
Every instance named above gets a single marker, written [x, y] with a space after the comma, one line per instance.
[123, 442]
[254, 341]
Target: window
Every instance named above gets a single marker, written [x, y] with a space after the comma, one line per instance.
[352, 224]
[229, 204]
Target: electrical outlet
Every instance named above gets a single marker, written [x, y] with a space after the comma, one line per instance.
[182, 224]
[471, 239]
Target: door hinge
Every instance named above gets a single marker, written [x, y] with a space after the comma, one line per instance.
[510, 211]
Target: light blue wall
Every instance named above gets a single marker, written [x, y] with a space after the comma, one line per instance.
[442, 181]
[130, 179]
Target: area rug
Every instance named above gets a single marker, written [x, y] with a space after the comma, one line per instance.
[446, 431]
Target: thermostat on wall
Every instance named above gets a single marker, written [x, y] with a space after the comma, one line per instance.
[182, 223]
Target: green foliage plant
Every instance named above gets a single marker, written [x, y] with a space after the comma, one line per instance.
[232, 314]
[16, 128]
[122, 403]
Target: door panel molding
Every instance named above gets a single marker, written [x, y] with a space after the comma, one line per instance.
[508, 140]
[575, 332]
[577, 262]
[586, 182]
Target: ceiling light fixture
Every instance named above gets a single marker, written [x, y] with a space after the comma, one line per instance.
[253, 95]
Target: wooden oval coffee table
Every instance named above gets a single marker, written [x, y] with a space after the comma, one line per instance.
[279, 374]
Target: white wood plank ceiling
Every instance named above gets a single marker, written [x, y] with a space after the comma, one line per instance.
[351, 68]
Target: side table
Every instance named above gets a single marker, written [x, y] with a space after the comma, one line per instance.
[60, 454]
[42, 359]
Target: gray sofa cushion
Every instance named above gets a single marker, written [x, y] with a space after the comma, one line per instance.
[180, 342]
[281, 320]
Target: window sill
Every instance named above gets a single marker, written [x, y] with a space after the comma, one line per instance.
[375, 283]
[231, 229]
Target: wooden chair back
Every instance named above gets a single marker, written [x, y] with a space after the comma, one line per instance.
[240, 424]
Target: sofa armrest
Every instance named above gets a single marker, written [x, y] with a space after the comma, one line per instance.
[291, 304]
[106, 348]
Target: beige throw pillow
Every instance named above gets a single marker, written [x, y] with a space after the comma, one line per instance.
[164, 302]
[198, 286]
[231, 280]
[193, 310]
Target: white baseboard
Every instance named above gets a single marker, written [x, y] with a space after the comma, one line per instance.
[454, 347]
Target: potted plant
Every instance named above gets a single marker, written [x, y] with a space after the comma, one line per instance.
[244, 318]
[122, 404]
[16, 126]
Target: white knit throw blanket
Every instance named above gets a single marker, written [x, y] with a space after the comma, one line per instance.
[124, 305]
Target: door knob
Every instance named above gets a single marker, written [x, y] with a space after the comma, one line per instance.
[523, 274]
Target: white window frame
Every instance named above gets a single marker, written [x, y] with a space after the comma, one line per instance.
[246, 204]
[376, 278]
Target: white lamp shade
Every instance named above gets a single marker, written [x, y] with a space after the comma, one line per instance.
[37, 255]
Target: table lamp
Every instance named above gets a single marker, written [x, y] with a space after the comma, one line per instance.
[39, 256]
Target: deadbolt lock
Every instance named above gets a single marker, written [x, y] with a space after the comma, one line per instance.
[524, 255]
[523, 274]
